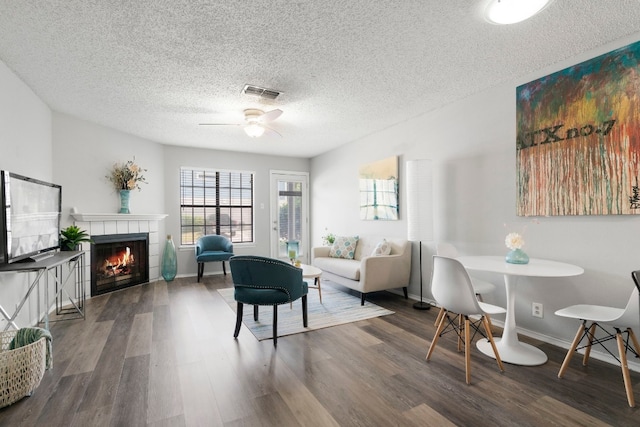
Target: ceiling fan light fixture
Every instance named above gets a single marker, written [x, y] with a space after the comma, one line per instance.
[254, 130]
[506, 12]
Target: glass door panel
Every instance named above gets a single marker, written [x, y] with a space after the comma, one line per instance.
[289, 217]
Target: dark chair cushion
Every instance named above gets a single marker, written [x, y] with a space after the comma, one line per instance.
[207, 256]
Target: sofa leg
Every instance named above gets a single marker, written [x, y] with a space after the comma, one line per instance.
[255, 313]
[238, 320]
[406, 292]
[362, 294]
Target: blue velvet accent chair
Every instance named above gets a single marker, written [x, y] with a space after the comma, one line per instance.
[266, 281]
[212, 248]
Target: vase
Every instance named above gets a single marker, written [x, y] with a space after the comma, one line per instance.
[169, 260]
[293, 249]
[517, 256]
[124, 201]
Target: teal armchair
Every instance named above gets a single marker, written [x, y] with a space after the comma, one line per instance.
[266, 281]
[212, 248]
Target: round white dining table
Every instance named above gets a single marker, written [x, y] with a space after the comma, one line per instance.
[511, 350]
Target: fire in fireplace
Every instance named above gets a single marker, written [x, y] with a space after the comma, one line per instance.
[119, 261]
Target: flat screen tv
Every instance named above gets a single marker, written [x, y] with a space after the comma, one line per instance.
[30, 217]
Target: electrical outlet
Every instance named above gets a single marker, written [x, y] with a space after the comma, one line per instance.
[537, 309]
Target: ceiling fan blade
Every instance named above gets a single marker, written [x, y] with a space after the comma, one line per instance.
[219, 124]
[271, 132]
[270, 116]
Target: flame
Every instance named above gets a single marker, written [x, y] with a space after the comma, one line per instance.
[118, 263]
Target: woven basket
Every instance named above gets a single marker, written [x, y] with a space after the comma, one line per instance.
[21, 369]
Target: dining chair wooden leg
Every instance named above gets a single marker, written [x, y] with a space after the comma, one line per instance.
[572, 349]
[625, 368]
[486, 316]
[634, 340]
[440, 314]
[434, 341]
[487, 329]
[467, 349]
[238, 320]
[587, 351]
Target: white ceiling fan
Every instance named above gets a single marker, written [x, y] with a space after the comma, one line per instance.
[255, 122]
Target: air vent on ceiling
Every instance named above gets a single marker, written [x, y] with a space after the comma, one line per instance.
[260, 92]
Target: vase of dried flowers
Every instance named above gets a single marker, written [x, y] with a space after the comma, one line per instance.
[126, 177]
[124, 201]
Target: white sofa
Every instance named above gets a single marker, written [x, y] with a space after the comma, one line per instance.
[366, 273]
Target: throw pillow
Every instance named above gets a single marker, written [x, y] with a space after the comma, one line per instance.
[344, 247]
[382, 248]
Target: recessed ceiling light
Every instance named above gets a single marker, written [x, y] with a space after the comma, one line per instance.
[512, 11]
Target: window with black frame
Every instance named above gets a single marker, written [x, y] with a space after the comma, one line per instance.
[216, 202]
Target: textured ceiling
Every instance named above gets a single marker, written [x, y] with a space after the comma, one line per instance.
[347, 68]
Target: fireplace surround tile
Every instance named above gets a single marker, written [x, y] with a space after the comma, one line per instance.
[101, 224]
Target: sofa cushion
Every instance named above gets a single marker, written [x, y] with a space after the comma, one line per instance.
[344, 247]
[348, 268]
[382, 248]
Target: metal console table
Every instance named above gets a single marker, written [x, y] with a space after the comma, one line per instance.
[60, 267]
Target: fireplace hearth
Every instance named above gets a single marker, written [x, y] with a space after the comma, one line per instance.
[119, 261]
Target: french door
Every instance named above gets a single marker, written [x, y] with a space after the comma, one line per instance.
[289, 215]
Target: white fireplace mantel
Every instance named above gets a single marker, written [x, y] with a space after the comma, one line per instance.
[94, 217]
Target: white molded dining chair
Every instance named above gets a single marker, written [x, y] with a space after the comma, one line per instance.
[479, 286]
[621, 319]
[452, 289]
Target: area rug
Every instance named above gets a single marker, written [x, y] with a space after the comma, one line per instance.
[337, 308]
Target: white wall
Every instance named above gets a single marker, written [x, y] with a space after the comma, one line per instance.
[25, 148]
[25, 129]
[472, 143]
[84, 155]
[261, 165]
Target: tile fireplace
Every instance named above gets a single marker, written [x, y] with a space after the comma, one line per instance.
[100, 224]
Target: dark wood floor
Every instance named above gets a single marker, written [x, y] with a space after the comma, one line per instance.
[163, 355]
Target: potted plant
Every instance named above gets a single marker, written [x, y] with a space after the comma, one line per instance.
[328, 238]
[71, 237]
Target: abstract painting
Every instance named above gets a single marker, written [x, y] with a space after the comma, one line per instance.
[379, 190]
[578, 138]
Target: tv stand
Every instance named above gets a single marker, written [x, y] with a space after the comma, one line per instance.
[61, 267]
